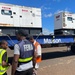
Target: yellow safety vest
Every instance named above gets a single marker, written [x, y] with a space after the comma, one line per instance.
[2, 69]
[25, 60]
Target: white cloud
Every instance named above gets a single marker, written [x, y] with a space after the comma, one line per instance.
[48, 15]
[65, 10]
[46, 31]
[58, 11]
[46, 10]
[45, 7]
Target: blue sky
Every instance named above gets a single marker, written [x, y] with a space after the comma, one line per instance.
[48, 7]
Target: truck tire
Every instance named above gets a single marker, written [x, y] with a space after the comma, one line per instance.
[73, 48]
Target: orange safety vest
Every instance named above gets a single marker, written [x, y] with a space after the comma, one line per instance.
[37, 59]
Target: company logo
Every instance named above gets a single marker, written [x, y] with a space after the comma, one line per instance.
[57, 17]
[24, 10]
[51, 41]
[7, 8]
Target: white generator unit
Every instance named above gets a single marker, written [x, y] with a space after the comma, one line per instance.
[13, 17]
[64, 23]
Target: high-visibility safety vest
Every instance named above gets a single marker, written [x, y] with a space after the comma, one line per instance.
[2, 69]
[26, 51]
[36, 45]
[25, 60]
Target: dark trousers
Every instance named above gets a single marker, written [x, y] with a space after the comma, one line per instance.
[27, 72]
[5, 74]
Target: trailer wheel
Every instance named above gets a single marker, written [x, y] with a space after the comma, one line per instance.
[73, 48]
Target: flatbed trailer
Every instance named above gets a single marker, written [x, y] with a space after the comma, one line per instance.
[44, 40]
